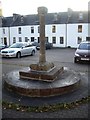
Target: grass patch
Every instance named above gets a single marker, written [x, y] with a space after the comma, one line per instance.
[45, 108]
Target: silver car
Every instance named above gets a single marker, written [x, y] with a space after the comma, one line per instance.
[18, 49]
[83, 52]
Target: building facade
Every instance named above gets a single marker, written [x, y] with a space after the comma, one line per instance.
[64, 29]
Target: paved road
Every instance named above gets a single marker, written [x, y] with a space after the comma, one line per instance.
[61, 57]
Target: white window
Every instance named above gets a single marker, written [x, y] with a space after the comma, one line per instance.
[32, 29]
[80, 16]
[54, 40]
[3, 31]
[14, 39]
[79, 28]
[19, 30]
[20, 39]
[61, 40]
[26, 39]
[32, 39]
[53, 29]
[79, 40]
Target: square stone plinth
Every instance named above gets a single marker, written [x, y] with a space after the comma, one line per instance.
[43, 67]
[48, 76]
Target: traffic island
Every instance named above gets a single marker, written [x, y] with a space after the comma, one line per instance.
[66, 82]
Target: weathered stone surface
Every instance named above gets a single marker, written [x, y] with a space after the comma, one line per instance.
[68, 81]
[46, 66]
[48, 76]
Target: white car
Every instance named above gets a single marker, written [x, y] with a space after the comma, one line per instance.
[18, 49]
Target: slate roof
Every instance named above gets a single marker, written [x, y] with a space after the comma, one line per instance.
[6, 21]
[50, 18]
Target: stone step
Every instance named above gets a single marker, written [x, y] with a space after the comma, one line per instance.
[43, 76]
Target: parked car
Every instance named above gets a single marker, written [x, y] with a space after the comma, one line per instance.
[47, 45]
[35, 44]
[18, 49]
[2, 46]
[82, 53]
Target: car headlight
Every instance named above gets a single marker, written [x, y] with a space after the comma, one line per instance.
[76, 54]
[11, 51]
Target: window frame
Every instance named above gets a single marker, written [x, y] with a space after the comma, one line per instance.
[20, 39]
[14, 39]
[79, 28]
[53, 29]
[54, 40]
[79, 40]
[19, 30]
[32, 29]
[61, 40]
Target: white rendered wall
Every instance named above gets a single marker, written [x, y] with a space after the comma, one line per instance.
[72, 34]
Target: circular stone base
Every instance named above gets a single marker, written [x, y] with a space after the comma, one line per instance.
[67, 82]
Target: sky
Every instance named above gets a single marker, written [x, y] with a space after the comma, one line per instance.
[26, 7]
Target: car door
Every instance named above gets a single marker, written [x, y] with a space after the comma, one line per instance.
[24, 50]
[27, 49]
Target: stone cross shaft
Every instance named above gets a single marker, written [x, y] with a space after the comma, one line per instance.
[41, 13]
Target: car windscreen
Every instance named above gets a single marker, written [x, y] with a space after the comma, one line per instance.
[16, 45]
[84, 46]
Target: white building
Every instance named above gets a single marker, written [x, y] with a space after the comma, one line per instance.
[64, 29]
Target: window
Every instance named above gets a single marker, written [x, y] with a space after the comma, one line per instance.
[87, 38]
[38, 39]
[54, 40]
[38, 29]
[32, 29]
[5, 40]
[19, 30]
[80, 16]
[79, 40]
[53, 29]
[22, 19]
[20, 39]
[26, 39]
[46, 38]
[3, 31]
[32, 39]
[61, 40]
[14, 39]
[79, 28]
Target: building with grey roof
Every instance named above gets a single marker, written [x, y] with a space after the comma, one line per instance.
[63, 29]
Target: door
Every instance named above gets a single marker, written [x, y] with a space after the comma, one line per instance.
[5, 40]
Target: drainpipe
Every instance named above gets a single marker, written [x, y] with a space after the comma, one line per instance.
[9, 35]
[66, 36]
[67, 29]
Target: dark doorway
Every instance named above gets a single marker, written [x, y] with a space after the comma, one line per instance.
[5, 40]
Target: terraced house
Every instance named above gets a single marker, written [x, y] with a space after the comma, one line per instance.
[63, 29]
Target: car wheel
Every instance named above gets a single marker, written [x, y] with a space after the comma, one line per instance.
[33, 53]
[18, 55]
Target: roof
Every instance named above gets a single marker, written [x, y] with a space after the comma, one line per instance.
[50, 18]
[6, 21]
